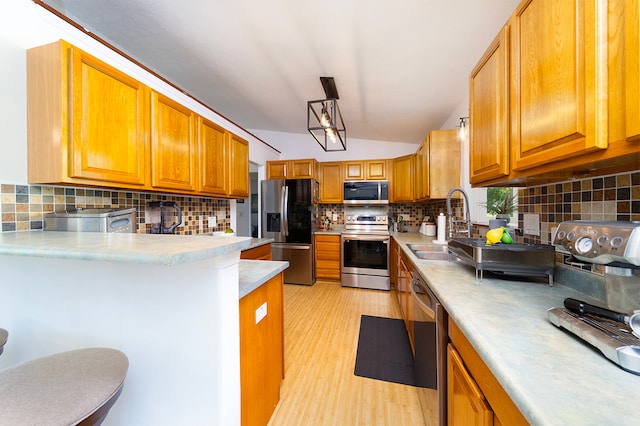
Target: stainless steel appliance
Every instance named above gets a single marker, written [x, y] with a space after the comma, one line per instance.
[366, 192]
[164, 216]
[430, 343]
[365, 248]
[288, 210]
[92, 220]
[617, 246]
[511, 259]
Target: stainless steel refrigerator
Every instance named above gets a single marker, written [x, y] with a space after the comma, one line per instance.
[289, 210]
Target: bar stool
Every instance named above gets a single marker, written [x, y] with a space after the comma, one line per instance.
[69, 388]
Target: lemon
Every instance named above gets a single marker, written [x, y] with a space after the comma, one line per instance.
[506, 238]
[494, 235]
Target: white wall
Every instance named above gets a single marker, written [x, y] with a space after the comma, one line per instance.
[23, 25]
[303, 145]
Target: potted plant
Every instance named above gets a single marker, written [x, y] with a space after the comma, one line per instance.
[501, 203]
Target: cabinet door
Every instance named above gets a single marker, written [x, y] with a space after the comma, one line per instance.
[302, 169]
[109, 121]
[422, 171]
[444, 162]
[331, 185]
[632, 51]
[277, 169]
[466, 405]
[559, 72]
[403, 178]
[488, 110]
[261, 352]
[327, 256]
[213, 153]
[375, 169]
[173, 147]
[354, 170]
[238, 167]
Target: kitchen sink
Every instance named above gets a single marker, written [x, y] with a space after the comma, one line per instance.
[430, 252]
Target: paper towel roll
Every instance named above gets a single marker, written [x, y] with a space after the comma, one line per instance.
[442, 229]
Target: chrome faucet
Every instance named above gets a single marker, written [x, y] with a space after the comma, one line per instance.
[455, 225]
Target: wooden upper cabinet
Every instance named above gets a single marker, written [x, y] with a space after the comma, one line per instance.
[365, 170]
[489, 112]
[238, 167]
[444, 162]
[331, 183]
[354, 170]
[86, 120]
[305, 168]
[403, 178]
[559, 87]
[375, 169]
[422, 170]
[277, 169]
[632, 65]
[213, 143]
[173, 144]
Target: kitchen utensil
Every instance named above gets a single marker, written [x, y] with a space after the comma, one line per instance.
[580, 307]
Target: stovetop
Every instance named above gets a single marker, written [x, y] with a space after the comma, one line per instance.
[614, 339]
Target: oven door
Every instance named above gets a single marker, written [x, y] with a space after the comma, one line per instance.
[365, 261]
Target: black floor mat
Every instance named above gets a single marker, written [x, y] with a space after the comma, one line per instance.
[384, 352]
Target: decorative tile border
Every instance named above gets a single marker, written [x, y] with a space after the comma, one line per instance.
[24, 206]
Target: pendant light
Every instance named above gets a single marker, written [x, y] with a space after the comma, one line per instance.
[324, 119]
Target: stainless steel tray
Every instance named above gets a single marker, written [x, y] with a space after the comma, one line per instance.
[510, 259]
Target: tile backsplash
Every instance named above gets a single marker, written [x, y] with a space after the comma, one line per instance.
[613, 197]
[23, 206]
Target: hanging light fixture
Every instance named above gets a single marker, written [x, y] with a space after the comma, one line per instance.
[463, 124]
[324, 120]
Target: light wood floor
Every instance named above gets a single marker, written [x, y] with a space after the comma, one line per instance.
[321, 336]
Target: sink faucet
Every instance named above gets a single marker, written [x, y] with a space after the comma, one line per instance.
[454, 225]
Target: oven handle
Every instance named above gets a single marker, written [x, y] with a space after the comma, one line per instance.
[361, 237]
[426, 308]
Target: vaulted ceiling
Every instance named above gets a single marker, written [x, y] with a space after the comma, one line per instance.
[401, 67]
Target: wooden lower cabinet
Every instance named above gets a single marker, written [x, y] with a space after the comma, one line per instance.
[327, 253]
[474, 395]
[262, 252]
[261, 352]
[466, 403]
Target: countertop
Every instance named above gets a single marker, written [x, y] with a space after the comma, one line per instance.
[553, 377]
[114, 247]
[254, 273]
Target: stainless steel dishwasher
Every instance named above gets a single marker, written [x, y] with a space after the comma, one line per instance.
[430, 342]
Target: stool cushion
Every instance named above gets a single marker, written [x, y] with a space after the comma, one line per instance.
[61, 389]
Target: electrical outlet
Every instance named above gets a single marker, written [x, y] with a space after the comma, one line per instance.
[335, 217]
[531, 224]
[261, 312]
[212, 221]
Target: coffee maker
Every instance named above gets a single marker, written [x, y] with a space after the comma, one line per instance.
[163, 216]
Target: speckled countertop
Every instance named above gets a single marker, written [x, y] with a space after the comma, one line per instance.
[254, 273]
[553, 377]
[129, 248]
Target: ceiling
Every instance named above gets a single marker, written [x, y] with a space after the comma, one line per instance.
[401, 67]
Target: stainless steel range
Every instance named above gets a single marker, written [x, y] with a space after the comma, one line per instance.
[365, 248]
[616, 245]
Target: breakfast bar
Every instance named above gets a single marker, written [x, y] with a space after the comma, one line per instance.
[169, 302]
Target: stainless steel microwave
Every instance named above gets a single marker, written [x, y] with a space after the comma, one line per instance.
[366, 192]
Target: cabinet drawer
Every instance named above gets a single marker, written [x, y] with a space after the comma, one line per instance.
[328, 248]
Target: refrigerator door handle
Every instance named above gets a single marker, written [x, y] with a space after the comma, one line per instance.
[285, 213]
[290, 247]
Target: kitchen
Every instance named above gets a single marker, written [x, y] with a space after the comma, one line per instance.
[566, 197]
